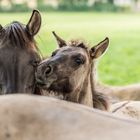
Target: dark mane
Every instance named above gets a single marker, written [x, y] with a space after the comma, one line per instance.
[17, 35]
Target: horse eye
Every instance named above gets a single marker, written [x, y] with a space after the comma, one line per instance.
[35, 63]
[79, 61]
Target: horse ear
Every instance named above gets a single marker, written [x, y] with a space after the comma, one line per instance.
[61, 42]
[99, 49]
[34, 23]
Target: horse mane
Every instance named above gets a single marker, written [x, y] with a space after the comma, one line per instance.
[78, 43]
[100, 101]
[17, 34]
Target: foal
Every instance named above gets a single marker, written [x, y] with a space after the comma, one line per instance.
[19, 55]
[70, 73]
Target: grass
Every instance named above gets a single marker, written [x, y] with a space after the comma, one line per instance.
[121, 63]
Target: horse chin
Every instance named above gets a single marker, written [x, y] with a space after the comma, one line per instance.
[61, 86]
[59, 89]
[46, 85]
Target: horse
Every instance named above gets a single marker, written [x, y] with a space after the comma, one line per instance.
[19, 55]
[120, 93]
[28, 117]
[70, 72]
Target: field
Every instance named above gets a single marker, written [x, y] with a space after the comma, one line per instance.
[121, 63]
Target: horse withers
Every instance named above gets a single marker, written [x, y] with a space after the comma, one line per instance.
[70, 73]
[19, 55]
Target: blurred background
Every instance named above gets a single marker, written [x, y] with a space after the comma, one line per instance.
[91, 20]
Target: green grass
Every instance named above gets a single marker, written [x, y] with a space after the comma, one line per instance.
[121, 63]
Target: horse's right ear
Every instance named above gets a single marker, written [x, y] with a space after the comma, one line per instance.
[61, 42]
[34, 23]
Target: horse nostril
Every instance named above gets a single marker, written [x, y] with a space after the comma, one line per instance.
[48, 70]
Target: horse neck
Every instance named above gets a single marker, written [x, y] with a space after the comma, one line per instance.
[83, 94]
[100, 100]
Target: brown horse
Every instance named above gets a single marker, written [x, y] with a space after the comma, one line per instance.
[19, 55]
[70, 73]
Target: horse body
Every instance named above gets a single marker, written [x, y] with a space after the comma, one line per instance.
[126, 109]
[69, 72]
[27, 117]
[18, 54]
[120, 93]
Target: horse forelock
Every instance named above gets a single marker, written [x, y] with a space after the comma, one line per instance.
[78, 43]
[17, 35]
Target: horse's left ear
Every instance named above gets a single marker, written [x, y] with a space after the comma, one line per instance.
[34, 23]
[99, 49]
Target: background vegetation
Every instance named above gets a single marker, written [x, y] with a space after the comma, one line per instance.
[68, 5]
[121, 63]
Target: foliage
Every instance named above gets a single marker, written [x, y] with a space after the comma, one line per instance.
[69, 5]
[15, 8]
[73, 5]
[105, 7]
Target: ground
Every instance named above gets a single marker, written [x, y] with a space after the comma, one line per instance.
[121, 63]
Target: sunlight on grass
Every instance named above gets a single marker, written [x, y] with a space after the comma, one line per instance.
[120, 64]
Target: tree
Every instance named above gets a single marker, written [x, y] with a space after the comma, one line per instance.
[111, 1]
